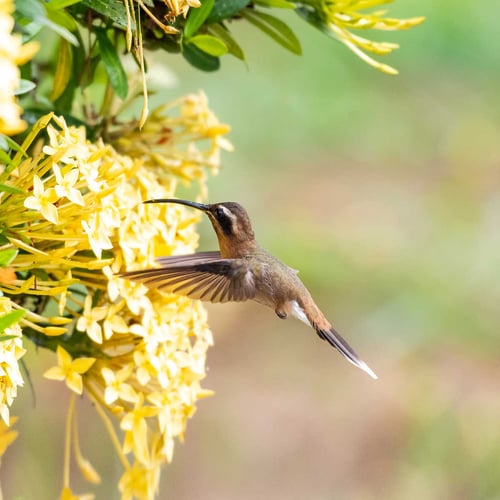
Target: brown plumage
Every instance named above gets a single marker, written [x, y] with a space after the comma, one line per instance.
[241, 270]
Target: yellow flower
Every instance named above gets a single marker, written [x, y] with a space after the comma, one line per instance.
[116, 386]
[66, 185]
[11, 351]
[98, 239]
[114, 323]
[139, 482]
[7, 434]
[339, 17]
[12, 55]
[67, 494]
[69, 370]
[43, 200]
[89, 320]
[136, 430]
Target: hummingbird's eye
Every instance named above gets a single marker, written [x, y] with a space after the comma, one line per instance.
[224, 219]
[219, 213]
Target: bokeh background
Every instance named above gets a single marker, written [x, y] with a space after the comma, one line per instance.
[385, 193]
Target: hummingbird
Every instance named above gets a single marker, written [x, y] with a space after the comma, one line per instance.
[241, 270]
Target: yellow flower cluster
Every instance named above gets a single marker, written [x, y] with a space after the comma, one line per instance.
[180, 7]
[344, 15]
[12, 55]
[165, 143]
[75, 213]
[11, 351]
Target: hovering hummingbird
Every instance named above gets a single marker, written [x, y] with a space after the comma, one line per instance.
[241, 270]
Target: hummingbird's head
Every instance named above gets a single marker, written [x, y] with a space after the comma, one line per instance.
[230, 221]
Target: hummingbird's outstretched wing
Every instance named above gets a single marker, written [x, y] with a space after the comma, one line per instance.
[203, 276]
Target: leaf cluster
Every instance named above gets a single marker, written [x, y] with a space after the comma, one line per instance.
[204, 35]
[92, 35]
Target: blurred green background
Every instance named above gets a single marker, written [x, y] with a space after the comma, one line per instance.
[385, 193]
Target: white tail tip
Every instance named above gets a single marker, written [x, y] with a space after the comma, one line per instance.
[363, 366]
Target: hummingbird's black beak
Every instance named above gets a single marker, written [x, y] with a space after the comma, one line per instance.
[193, 204]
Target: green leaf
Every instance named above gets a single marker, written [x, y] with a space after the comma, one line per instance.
[5, 158]
[226, 9]
[112, 9]
[34, 10]
[277, 4]
[196, 17]
[112, 64]
[7, 255]
[209, 44]
[313, 18]
[64, 70]
[10, 318]
[232, 45]
[200, 59]
[25, 86]
[63, 19]
[60, 4]
[3, 338]
[5, 188]
[11, 144]
[275, 28]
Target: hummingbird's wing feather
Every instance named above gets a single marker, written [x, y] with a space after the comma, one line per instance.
[204, 277]
[188, 259]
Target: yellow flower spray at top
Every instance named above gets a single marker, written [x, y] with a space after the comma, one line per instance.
[339, 18]
[74, 214]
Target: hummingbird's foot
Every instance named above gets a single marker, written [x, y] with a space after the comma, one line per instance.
[281, 314]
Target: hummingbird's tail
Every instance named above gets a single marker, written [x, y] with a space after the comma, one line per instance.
[336, 340]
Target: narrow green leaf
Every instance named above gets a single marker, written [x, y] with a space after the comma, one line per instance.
[35, 10]
[60, 4]
[232, 45]
[196, 17]
[61, 31]
[25, 86]
[313, 18]
[112, 64]
[226, 9]
[4, 188]
[112, 9]
[30, 9]
[3, 338]
[64, 70]
[277, 4]
[63, 19]
[209, 44]
[200, 59]
[12, 144]
[10, 318]
[275, 28]
[7, 255]
[4, 157]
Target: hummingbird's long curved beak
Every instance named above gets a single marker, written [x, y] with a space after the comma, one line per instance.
[193, 204]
